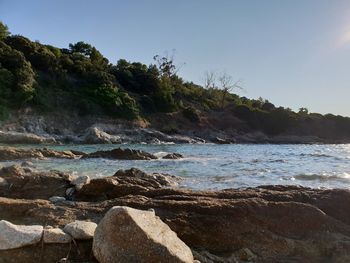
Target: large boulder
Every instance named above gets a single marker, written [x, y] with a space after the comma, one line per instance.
[15, 236]
[122, 154]
[130, 235]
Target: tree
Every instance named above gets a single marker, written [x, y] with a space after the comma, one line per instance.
[4, 31]
[303, 111]
[166, 64]
[210, 80]
[227, 84]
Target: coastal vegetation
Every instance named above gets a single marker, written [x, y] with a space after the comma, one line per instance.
[80, 79]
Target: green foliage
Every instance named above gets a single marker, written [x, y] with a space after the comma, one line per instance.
[4, 31]
[80, 79]
[191, 114]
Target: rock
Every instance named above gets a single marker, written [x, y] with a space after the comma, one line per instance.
[245, 254]
[80, 181]
[10, 153]
[23, 138]
[3, 182]
[70, 191]
[129, 235]
[94, 135]
[122, 154]
[56, 235]
[157, 179]
[32, 184]
[173, 156]
[81, 230]
[56, 199]
[219, 140]
[27, 164]
[15, 236]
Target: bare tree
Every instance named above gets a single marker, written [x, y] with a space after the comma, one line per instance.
[227, 84]
[210, 80]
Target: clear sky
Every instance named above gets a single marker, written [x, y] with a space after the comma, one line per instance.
[295, 53]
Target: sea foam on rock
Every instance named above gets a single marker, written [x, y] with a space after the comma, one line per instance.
[130, 235]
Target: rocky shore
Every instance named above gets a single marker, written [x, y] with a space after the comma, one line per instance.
[133, 216]
[60, 129]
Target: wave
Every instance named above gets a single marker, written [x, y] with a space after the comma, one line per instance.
[322, 177]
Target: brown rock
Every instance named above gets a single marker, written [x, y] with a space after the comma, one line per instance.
[130, 235]
[122, 154]
[23, 183]
[10, 153]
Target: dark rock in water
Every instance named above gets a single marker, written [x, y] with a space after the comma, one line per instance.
[173, 156]
[9, 153]
[219, 140]
[122, 154]
[131, 235]
[18, 182]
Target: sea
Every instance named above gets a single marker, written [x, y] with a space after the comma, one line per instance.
[211, 166]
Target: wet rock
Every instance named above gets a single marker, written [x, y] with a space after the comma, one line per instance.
[130, 235]
[81, 230]
[122, 154]
[157, 179]
[24, 183]
[27, 164]
[15, 236]
[56, 235]
[173, 156]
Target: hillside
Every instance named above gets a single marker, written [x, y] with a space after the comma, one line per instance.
[80, 82]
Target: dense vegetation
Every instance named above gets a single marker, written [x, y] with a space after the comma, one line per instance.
[79, 79]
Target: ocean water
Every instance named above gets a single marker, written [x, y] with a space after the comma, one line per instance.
[209, 166]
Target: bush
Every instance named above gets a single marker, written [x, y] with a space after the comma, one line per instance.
[191, 114]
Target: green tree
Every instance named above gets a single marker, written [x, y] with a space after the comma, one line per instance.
[4, 31]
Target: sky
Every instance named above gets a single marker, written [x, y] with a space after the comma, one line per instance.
[295, 53]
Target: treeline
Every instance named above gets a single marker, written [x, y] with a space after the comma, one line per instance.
[79, 79]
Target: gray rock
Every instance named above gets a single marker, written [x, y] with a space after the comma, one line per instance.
[70, 191]
[81, 230]
[130, 235]
[55, 199]
[15, 236]
[56, 235]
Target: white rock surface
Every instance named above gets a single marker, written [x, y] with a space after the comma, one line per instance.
[56, 235]
[130, 235]
[15, 236]
[55, 199]
[3, 182]
[81, 230]
[80, 181]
